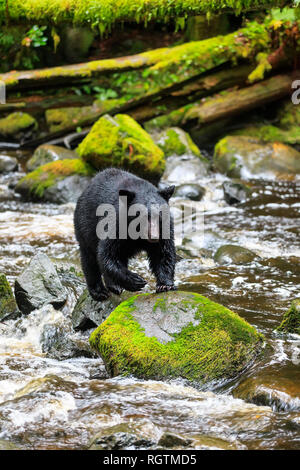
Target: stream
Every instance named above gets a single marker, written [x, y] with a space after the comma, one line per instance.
[51, 404]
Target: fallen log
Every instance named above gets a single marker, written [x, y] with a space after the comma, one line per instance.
[227, 103]
[165, 67]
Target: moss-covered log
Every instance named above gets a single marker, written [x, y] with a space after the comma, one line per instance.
[227, 104]
[170, 67]
[105, 13]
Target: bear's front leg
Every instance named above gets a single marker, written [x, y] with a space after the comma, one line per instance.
[162, 259]
[113, 262]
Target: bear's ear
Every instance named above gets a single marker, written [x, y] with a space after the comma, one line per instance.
[167, 193]
[129, 194]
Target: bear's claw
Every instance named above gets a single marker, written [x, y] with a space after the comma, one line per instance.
[165, 288]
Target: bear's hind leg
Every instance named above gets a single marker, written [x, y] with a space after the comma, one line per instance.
[92, 275]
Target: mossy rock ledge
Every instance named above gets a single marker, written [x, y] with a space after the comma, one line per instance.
[175, 335]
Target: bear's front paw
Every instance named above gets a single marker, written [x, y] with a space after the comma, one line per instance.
[165, 288]
[99, 294]
[134, 282]
[115, 289]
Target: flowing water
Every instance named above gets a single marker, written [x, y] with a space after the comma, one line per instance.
[50, 404]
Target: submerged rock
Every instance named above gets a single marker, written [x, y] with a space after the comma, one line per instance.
[8, 164]
[279, 393]
[175, 334]
[18, 126]
[39, 285]
[234, 254]
[134, 434]
[175, 141]
[190, 191]
[59, 182]
[242, 156]
[122, 142]
[8, 306]
[49, 153]
[88, 313]
[235, 193]
[291, 319]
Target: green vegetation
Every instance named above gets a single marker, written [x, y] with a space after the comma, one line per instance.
[7, 301]
[291, 319]
[15, 123]
[217, 344]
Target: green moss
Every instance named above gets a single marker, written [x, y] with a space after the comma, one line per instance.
[177, 142]
[7, 301]
[269, 133]
[217, 345]
[105, 13]
[47, 175]
[291, 319]
[122, 142]
[15, 123]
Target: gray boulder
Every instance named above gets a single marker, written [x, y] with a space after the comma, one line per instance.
[49, 153]
[8, 164]
[39, 285]
[234, 254]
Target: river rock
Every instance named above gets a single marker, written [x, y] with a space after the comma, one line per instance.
[49, 153]
[59, 182]
[185, 169]
[88, 313]
[234, 254]
[17, 126]
[279, 393]
[194, 192]
[235, 193]
[121, 142]
[291, 319]
[136, 434]
[8, 306]
[175, 141]
[175, 334]
[242, 156]
[39, 285]
[8, 164]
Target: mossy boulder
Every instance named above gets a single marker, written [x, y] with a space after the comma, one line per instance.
[175, 141]
[47, 154]
[8, 304]
[291, 319]
[59, 182]
[122, 142]
[244, 156]
[17, 126]
[175, 334]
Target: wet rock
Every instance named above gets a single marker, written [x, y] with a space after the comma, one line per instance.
[58, 182]
[175, 141]
[8, 164]
[121, 142]
[8, 306]
[242, 156]
[235, 193]
[39, 285]
[194, 192]
[184, 169]
[159, 336]
[8, 445]
[58, 340]
[18, 126]
[49, 153]
[278, 393]
[169, 440]
[6, 194]
[291, 319]
[134, 434]
[88, 313]
[234, 254]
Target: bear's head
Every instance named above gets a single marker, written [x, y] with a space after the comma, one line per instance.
[146, 213]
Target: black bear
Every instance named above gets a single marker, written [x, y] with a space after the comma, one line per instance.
[105, 260]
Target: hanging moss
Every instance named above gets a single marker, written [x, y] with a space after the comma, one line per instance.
[103, 14]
